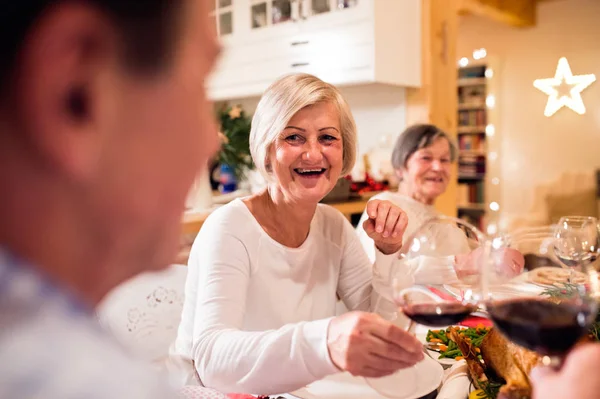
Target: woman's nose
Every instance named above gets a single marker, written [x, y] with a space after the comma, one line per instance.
[312, 152]
[436, 164]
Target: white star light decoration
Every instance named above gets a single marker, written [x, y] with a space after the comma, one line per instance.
[563, 76]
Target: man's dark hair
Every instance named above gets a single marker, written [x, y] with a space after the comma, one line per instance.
[147, 29]
[416, 137]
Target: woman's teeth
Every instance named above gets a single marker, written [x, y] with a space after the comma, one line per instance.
[313, 171]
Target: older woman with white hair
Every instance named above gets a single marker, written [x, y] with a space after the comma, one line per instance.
[422, 159]
[264, 271]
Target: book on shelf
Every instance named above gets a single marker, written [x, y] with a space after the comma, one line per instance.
[471, 94]
[471, 194]
[471, 166]
[471, 142]
[472, 117]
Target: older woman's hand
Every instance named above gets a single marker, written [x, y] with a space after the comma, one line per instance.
[386, 225]
[509, 263]
[367, 345]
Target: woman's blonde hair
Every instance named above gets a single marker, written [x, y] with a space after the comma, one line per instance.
[282, 100]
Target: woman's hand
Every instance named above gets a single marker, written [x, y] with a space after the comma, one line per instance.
[386, 225]
[367, 345]
[575, 378]
[509, 263]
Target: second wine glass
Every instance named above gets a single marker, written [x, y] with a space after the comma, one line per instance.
[548, 320]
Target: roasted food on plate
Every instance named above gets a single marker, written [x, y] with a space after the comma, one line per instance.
[503, 372]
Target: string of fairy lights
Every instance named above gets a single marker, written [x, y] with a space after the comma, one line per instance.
[491, 200]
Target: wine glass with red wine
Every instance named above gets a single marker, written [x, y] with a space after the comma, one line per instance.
[443, 252]
[528, 315]
[444, 259]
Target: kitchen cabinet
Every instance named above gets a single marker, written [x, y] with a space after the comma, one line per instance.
[344, 42]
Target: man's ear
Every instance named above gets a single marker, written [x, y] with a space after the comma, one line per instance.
[60, 82]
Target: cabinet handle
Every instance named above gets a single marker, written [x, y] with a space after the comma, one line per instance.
[299, 43]
[299, 64]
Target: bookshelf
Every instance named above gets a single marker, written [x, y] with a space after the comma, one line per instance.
[472, 139]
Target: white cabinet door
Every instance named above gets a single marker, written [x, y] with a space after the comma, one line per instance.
[268, 19]
[325, 14]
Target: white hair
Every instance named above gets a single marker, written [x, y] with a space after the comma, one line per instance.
[282, 100]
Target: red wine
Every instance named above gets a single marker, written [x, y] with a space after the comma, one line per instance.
[540, 325]
[438, 314]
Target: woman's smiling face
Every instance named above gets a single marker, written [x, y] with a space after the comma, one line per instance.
[427, 171]
[307, 158]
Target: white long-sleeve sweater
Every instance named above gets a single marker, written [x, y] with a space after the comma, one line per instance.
[256, 313]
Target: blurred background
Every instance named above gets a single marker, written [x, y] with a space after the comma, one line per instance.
[512, 81]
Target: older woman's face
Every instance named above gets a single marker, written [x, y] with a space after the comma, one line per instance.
[307, 157]
[427, 171]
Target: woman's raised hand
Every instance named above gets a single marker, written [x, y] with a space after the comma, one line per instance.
[509, 260]
[386, 225]
[367, 345]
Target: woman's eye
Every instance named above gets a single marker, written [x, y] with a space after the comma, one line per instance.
[328, 138]
[292, 138]
[427, 158]
[445, 160]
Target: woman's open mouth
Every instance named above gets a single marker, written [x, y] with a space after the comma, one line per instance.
[310, 172]
[434, 179]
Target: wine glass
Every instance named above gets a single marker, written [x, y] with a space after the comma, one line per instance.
[536, 244]
[548, 320]
[577, 241]
[434, 281]
[444, 256]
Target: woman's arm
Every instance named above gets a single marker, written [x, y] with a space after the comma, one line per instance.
[231, 360]
[362, 281]
[367, 242]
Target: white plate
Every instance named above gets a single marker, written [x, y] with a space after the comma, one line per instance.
[445, 361]
[416, 382]
[517, 287]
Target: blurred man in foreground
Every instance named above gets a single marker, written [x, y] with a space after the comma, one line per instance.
[104, 124]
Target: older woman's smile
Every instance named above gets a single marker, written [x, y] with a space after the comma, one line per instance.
[311, 173]
[435, 179]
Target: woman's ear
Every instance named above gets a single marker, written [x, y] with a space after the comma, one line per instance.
[399, 174]
[268, 165]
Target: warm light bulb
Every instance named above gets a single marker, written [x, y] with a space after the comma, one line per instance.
[489, 73]
[490, 130]
[463, 62]
[492, 229]
[490, 101]
[495, 181]
[494, 206]
[479, 54]
[493, 156]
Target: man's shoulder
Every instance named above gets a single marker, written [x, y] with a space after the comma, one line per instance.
[57, 349]
[56, 355]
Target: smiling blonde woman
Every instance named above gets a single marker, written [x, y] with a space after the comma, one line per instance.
[264, 271]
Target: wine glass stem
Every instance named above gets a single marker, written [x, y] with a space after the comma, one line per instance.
[411, 325]
[570, 279]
